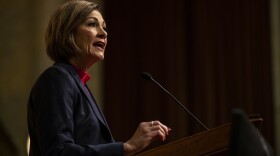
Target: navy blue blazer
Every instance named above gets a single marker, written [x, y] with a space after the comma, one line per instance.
[64, 119]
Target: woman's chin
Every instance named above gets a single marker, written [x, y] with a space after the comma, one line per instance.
[101, 57]
[97, 57]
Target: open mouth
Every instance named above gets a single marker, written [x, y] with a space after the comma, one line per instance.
[100, 45]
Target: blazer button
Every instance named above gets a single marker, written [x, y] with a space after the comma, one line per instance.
[60, 147]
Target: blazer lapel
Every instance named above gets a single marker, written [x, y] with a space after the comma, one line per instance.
[97, 107]
[87, 93]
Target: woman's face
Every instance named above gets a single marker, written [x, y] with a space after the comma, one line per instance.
[91, 37]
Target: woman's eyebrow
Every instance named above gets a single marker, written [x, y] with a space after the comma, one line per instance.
[103, 22]
[96, 19]
[92, 18]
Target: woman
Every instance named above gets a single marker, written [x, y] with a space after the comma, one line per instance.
[63, 117]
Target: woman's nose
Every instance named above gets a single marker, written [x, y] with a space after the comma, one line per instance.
[102, 33]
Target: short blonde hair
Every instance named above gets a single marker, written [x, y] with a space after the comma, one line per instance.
[60, 44]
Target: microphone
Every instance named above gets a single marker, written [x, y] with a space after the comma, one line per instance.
[149, 77]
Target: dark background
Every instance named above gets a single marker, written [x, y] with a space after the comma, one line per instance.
[212, 55]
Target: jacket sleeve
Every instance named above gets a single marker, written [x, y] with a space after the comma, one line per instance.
[51, 103]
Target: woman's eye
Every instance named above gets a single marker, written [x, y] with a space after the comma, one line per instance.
[92, 24]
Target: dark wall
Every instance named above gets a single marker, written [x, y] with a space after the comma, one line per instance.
[212, 55]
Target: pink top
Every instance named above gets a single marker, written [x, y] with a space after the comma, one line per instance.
[84, 76]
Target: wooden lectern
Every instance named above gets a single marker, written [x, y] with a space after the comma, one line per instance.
[213, 142]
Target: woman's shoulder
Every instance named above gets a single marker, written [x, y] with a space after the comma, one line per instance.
[57, 73]
[58, 69]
